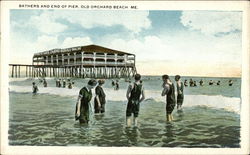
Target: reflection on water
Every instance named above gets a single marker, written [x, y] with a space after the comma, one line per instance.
[44, 119]
[132, 135]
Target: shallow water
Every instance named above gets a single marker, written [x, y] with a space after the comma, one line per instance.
[47, 119]
[154, 83]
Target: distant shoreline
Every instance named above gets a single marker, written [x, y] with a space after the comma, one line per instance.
[183, 77]
[198, 76]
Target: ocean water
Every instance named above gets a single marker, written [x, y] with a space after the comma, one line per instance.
[210, 116]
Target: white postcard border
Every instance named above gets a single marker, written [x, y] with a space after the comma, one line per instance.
[146, 5]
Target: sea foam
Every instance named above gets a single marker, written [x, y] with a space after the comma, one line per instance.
[221, 102]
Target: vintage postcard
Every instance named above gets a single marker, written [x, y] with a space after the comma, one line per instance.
[124, 77]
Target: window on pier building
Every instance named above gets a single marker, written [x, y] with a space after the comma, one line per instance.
[99, 60]
[88, 59]
[110, 60]
[120, 60]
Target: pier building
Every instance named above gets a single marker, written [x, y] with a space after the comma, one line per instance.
[90, 61]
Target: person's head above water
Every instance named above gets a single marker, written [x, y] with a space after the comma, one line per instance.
[101, 81]
[137, 77]
[165, 77]
[92, 83]
[177, 77]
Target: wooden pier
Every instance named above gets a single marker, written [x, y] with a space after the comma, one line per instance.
[16, 70]
[83, 62]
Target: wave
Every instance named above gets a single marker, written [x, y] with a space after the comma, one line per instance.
[18, 79]
[27, 78]
[221, 102]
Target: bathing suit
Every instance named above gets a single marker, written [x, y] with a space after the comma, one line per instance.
[86, 96]
[99, 91]
[133, 105]
[180, 96]
[35, 89]
[170, 99]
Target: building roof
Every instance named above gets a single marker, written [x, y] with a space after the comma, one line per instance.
[88, 48]
[100, 49]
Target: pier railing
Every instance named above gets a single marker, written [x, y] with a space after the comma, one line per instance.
[93, 63]
[82, 70]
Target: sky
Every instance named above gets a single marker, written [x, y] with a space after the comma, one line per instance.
[188, 43]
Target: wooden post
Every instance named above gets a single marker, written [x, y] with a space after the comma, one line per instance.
[80, 71]
[26, 71]
[16, 71]
[72, 72]
[54, 72]
[37, 71]
[19, 71]
[83, 72]
[12, 71]
[44, 72]
[30, 71]
[64, 71]
[63, 75]
[67, 75]
[75, 71]
[90, 72]
[49, 71]
[58, 72]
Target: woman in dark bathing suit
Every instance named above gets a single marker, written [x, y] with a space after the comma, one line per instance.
[168, 90]
[83, 101]
[100, 98]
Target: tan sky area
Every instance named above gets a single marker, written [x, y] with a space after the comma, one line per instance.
[172, 68]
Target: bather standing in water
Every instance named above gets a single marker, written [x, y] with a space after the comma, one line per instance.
[64, 83]
[69, 85]
[191, 83]
[168, 90]
[117, 85]
[59, 83]
[218, 83]
[195, 85]
[135, 95]
[100, 97]
[113, 83]
[201, 82]
[45, 83]
[230, 82]
[34, 88]
[180, 91]
[185, 83]
[83, 106]
[211, 82]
